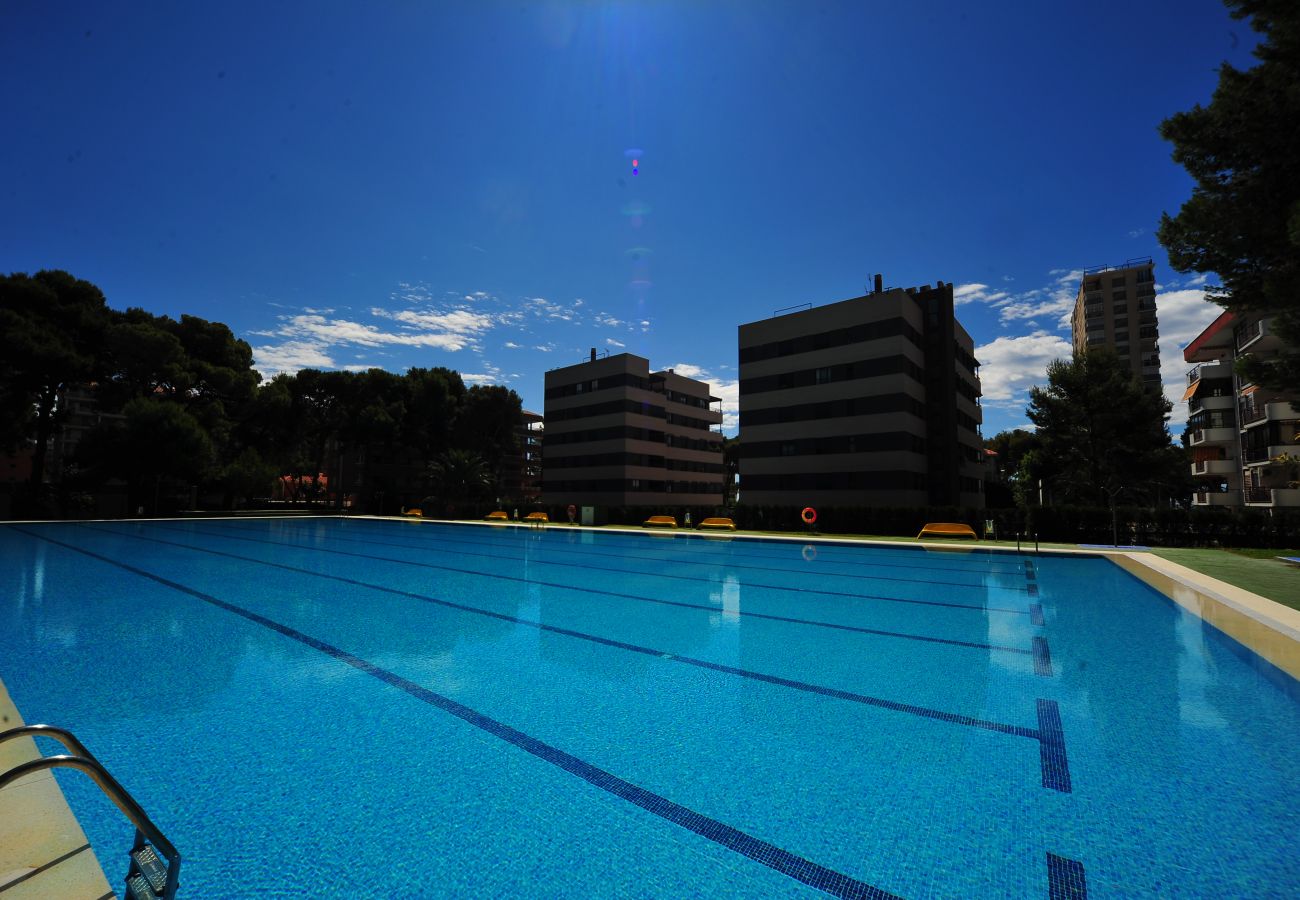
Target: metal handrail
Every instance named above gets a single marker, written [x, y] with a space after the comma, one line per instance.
[85, 762]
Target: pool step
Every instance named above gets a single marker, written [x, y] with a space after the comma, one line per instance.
[145, 862]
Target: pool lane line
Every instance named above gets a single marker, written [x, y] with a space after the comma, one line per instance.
[770, 855]
[1036, 614]
[554, 541]
[563, 565]
[875, 632]
[1066, 879]
[1042, 657]
[866, 700]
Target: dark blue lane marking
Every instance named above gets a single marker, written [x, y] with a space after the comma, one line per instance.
[659, 574]
[1042, 657]
[600, 592]
[1051, 747]
[1030, 574]
[1066, 879]
[1035, 614]
[923, 711]
[770, 855]
[1032, 590]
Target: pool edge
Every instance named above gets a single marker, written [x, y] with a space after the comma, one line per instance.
[43, 850]
[1265, 627]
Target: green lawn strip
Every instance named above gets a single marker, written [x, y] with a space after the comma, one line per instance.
[1251, 570]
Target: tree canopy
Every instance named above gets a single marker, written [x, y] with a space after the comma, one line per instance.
[181, 409]
[1243, 151]
[1102, 436]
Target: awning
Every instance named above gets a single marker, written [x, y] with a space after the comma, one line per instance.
[1187, 394]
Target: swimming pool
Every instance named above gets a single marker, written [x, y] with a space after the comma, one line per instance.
[379, 708]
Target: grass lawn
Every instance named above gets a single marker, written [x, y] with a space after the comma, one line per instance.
[1253, 570]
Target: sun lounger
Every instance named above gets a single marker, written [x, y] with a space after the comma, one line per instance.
[659, 522]
[948, 530]
[499, 516]
[413, 512]
[718, 524]
[537, 517]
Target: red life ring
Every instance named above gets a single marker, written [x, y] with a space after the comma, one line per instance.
[809, 515]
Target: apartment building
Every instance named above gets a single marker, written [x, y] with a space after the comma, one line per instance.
[1116, 309]
[618, 434]
[521, 471]
[872, 401]
[1244, 439]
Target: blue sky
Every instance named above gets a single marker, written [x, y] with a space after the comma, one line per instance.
[405, 183]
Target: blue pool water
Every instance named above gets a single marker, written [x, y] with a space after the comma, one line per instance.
[367, 708]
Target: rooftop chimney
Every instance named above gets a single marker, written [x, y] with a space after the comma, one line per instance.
[880, 282]
[593, 354]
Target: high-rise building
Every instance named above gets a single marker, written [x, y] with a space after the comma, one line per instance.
[618, 434]
[1116, 309]
[1244, 439]
[872, 401]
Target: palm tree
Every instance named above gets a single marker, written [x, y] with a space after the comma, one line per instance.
[459, 474]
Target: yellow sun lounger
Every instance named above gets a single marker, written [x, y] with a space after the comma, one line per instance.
[499, 516]
[537, 517]
[659, 522]
[718, 524]
[413, 512]
[947, 529]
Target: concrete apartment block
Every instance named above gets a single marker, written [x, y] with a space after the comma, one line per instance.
[618, 434]
[1245, 439]
[872, 401]
[1116, 309]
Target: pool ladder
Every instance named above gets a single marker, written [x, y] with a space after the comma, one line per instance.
[148, 878]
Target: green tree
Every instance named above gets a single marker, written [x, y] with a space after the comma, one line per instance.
[53, 327]
[1243, 151]
[157, 448]
[459, 474]
[1103, 436]
[487, 424]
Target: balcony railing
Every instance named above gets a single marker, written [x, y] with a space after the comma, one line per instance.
[1259, 495]
[1254, 454]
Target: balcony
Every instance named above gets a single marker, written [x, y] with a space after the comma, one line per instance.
[1219, 368]
[1215, 467]
[1201, 436]
[1258, 456]
[1256, 336]
[1224, 402]
[1273, 497]
[1254, 413]
[1216, 498]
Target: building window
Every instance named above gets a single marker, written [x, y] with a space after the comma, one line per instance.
[823, 375]
[1146, 276]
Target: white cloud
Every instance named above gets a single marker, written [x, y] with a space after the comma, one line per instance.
[480, 378]
[1198, 280]
[608, 321]
[290, 357]
[613, 343]
[690, 371]
[511, 345]
[972, 293]
[1010, 366]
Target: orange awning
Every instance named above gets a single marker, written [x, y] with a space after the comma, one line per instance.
[1187, 394]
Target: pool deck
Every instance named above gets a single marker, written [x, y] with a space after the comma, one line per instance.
[43, 851]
